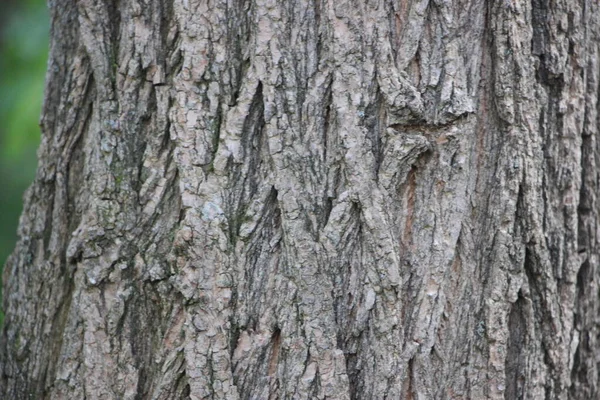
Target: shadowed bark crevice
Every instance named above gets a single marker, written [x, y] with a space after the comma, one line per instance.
[516, 358]
[374, 121]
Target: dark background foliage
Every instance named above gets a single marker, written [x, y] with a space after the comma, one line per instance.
[23, 54]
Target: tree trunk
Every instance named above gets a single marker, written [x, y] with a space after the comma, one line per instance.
[312, 199]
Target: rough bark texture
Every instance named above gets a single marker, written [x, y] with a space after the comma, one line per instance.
[312, 199]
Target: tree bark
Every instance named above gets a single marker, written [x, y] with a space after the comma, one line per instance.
[312, 200]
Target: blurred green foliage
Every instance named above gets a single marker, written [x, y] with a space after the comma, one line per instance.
[24, 27]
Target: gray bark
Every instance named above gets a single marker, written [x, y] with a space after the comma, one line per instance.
[312, 199]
